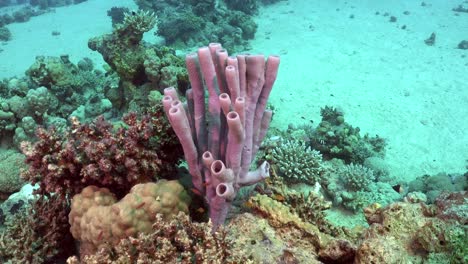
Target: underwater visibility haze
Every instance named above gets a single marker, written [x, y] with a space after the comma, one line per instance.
[233, 131]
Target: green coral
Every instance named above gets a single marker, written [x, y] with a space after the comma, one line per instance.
[357, 177]
[137, 22]
[296, 162]
[335, 138]
[164, 69]
[11, 163]
[122, 49]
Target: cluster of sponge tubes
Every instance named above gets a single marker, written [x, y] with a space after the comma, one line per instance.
[220, 140]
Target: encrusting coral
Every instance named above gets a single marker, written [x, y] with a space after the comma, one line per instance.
[97, 219]
[407, 232]
[280, 217]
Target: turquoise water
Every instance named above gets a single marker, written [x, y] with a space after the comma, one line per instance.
[368, 120]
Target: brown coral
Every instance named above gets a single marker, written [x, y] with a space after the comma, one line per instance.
[97, 220]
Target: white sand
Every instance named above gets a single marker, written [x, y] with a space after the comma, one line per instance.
[387, 81]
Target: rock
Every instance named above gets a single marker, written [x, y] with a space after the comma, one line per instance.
[431, 40]
[463, 44]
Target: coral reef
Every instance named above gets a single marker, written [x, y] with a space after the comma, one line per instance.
[463, 44]
[45, 4]
[353, 186]
[122, 49]
[71, 85]
[117, 14]
[94, 154]
[250, 7]
[433, 186]
[279, 216]
[267, 244]
[32, 101]
[356, 177]
[141, 67]
[5, 34]
[97, 219]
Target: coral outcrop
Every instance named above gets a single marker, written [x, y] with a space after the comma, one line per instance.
[415, 232]
[122, 49]
[335, 138]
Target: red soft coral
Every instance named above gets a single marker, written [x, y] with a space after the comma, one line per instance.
[94, 154]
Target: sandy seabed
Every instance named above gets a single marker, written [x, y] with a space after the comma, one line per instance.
[337, 53]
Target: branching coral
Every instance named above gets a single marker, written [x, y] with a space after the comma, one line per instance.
[356, 177]
[176, 241]
[296, 162]
[94, 154]
[139, 22]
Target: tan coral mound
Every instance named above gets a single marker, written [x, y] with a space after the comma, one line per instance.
[96, 218]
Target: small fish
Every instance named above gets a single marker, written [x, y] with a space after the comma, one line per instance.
[140, 205]
[100, 235]
[278, 197]
[200, 210]
[196, 191]
[398, 188]
[248, 204]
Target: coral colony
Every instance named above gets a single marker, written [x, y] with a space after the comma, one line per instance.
[219, 155]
